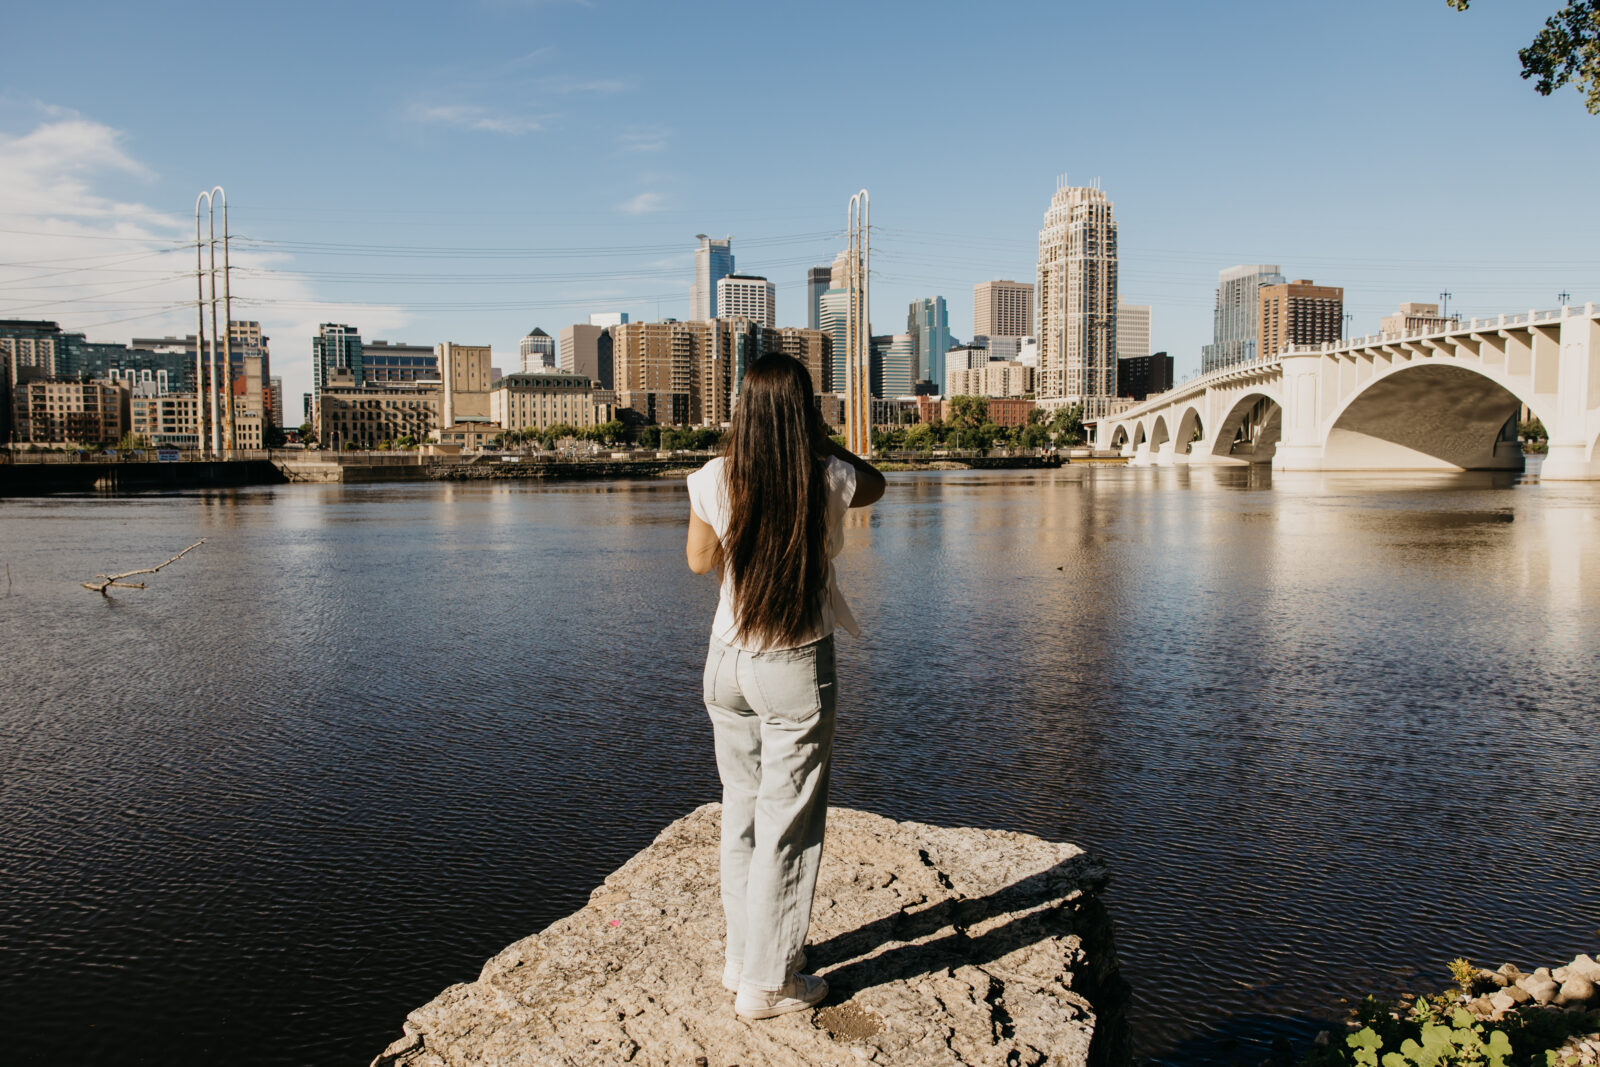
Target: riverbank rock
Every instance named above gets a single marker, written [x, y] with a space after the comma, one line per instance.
[941, 946]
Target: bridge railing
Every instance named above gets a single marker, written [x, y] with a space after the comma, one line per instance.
[1464, 325]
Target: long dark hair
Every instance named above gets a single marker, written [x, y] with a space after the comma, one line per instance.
[775, 550]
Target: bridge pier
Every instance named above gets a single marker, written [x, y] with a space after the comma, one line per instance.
[1570, 462]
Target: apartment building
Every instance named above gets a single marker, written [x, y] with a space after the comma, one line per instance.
[53, 411]
[543, 399]
[1299, 313]
[689, 373]
[995, 378]
[170, 420]
[747, 296]
[1002, 308]
[363, 416]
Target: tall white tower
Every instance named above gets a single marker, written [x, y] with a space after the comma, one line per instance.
[1077, 289]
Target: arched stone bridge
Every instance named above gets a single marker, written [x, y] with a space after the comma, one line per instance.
[1447, 400]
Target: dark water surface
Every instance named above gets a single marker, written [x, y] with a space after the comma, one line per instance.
[1330, 731]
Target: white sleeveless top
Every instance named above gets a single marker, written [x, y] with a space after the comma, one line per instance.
[708, 496]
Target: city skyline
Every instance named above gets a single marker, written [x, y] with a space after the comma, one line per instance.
[99, 172]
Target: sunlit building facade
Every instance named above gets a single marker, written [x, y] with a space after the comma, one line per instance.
[1077, 289]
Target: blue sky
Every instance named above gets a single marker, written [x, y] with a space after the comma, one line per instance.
[467, 171]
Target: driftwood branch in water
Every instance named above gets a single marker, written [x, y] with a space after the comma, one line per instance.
[115, 580]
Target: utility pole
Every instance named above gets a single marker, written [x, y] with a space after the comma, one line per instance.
[200, 330]
[1444, 304]
[208, 386]
[858, 329]
[230, 432]
[1563, 298]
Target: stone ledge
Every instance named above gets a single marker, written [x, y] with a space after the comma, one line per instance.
[942, 946]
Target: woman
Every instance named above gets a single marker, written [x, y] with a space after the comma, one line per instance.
[770, 514]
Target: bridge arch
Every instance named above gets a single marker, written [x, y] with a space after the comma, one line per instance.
[1190, 428]
[1251, 429]
[1139, 435]
[1439, 416]
[1158, 433]
[1119, 436]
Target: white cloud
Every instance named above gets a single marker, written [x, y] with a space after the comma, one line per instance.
[643, 139]
[474, 117]
[643, 204]
[565, 85]
[113, 268]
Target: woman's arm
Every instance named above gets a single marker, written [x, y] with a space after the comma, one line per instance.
[869, 480]
[702, 546]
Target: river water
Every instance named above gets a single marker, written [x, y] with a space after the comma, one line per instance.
[1329, 730]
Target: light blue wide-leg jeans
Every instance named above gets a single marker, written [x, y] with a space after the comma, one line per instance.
[772, 716]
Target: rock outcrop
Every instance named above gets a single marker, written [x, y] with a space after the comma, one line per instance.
[941, 946]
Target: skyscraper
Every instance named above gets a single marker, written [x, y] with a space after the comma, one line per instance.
[747, 296]
[335, 348]
[818, 281]
[1299, 313]
[928, 324]
[538, 350]
[713, 261]
[1133, 331]
[893, 365]
[1238, 314]
[833, 310]
[1078, 299]
[608, 318]
[1002, 308]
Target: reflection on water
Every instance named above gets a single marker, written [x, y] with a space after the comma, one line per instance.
[1330, 730]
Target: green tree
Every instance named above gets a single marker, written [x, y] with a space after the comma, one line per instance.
[1532, 429]
[308, 434]
[607, 432]
[892, 439]
[131, 440]
[968, 412]
[1066, 425]
[919, 438]
[1033, 435]
[989, 435]
[1566, 50]
[650, 437]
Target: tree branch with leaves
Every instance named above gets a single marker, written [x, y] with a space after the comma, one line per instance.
[1566, 50]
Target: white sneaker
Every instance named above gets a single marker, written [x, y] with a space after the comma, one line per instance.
[731, 971]
[800, 992]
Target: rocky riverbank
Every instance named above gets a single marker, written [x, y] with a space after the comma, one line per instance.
[1547, 1018]
[941, 946]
